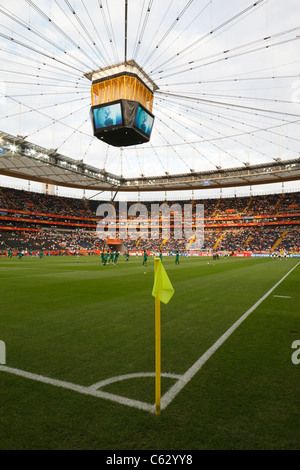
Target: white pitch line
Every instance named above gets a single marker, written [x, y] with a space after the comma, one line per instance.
[189, 374]
[283, 296]
[80, 389]
[119, 378]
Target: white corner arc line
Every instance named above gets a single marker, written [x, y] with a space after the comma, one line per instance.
[119, 378]
[80, 389]
[187, 376]
[93, 389]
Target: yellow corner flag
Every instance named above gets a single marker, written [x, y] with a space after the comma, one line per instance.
[162, 291]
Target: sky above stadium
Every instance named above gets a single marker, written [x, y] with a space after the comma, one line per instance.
[227, 71]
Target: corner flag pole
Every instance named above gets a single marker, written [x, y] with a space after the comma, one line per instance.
[162, 291]
[157, 358]
[157, 348]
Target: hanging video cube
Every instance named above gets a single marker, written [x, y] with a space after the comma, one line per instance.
[122, 101]
[122, 123]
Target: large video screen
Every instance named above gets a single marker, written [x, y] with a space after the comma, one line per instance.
[107, 116]
[144, 121]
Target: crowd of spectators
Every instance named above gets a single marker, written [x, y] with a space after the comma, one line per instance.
[272, 204]
[241, 239]
[43, 203]
[291, 242]
[222, 229]
[50, 240]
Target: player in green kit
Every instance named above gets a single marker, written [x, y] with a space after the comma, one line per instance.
[116, 257]
[111, 258]
[102, 257]
[41, 255]
[145, 258]
[20, 254]
[9, 253]
[127, 257]
[105, 259]
[177, 258]
[160, 256]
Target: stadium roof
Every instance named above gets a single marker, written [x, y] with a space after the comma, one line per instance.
[225, 77]
[22, 159]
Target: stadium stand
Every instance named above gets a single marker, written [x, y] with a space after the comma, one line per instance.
[256, 224]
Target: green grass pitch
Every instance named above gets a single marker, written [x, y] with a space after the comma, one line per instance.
[75, 321]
